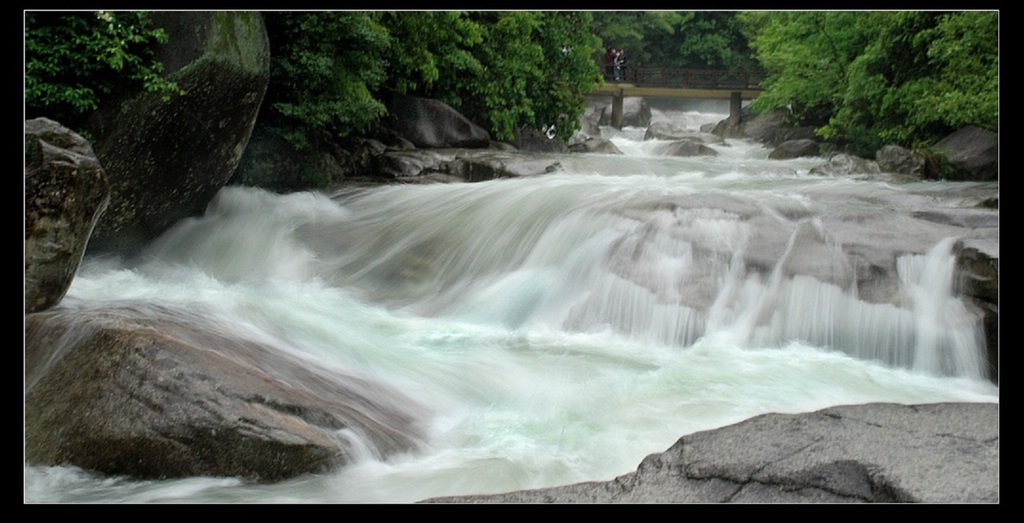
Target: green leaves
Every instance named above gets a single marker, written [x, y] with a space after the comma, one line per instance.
[324, 69]
[870, 78]
[503, 70]
[74, 59]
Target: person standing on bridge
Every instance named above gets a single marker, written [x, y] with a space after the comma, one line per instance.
[620, 65]
[609, 63]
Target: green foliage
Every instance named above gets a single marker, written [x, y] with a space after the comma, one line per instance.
[805, 55]
[324, 70]
[684, 39]
[531, 82]
[513, 63]
[629, 29]
[964, 50]
[715, 40]
[503, 70]
[429, 47]
[73, 60]
[568, 70]
[866, 79]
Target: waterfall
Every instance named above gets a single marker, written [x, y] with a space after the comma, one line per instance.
[587, 253]
[948, 336]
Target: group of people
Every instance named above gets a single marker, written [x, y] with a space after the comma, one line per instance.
[615, 64]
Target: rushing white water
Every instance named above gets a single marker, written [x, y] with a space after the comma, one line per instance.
[560, 328]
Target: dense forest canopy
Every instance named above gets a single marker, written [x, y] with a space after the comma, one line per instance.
[683, 39]
[861, 78]
[867, 78]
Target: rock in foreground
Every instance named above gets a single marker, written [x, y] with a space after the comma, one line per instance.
[66, 191]
[160, 392]
[873, 453]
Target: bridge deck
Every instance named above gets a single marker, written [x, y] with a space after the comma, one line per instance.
[682, 83]
[625, 89]
[734, 86]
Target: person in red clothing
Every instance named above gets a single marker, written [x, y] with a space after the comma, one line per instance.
[609, 63]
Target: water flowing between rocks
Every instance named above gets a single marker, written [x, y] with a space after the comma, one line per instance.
[561, 327]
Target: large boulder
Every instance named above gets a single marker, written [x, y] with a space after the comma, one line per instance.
[896, 159]
[407, 164]
[536, 141]
[66, 191]
[590, 120]
[768, 128]
[873, 453]
[846, 164]
[973, 154]
[489, 165]
[672, 131]
[458, 165]
[684, 148]
[167, 159]
[429, 123]
[582, 143]
[795, 149]
[154, 391]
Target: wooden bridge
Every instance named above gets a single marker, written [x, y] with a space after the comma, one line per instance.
[734, 86]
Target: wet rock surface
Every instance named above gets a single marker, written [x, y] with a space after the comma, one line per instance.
[873, 453]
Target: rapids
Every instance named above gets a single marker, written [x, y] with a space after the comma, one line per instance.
[559, 328]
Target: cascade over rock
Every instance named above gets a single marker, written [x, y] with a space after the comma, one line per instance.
[663, 130]
[159, 391]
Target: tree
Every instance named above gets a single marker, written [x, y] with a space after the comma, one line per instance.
[964, 51]
[714, 40]
[865, 79]
[331, 72]
[805, 56]
[431, 52]
[568, 70]
[503, 70]
[651, 37]
[685, 39]
[325, 68]
[75, 60]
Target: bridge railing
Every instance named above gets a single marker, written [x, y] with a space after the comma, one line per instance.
[691, 78]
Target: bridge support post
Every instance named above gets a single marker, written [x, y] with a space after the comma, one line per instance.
[617, 110]
[735, 107]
